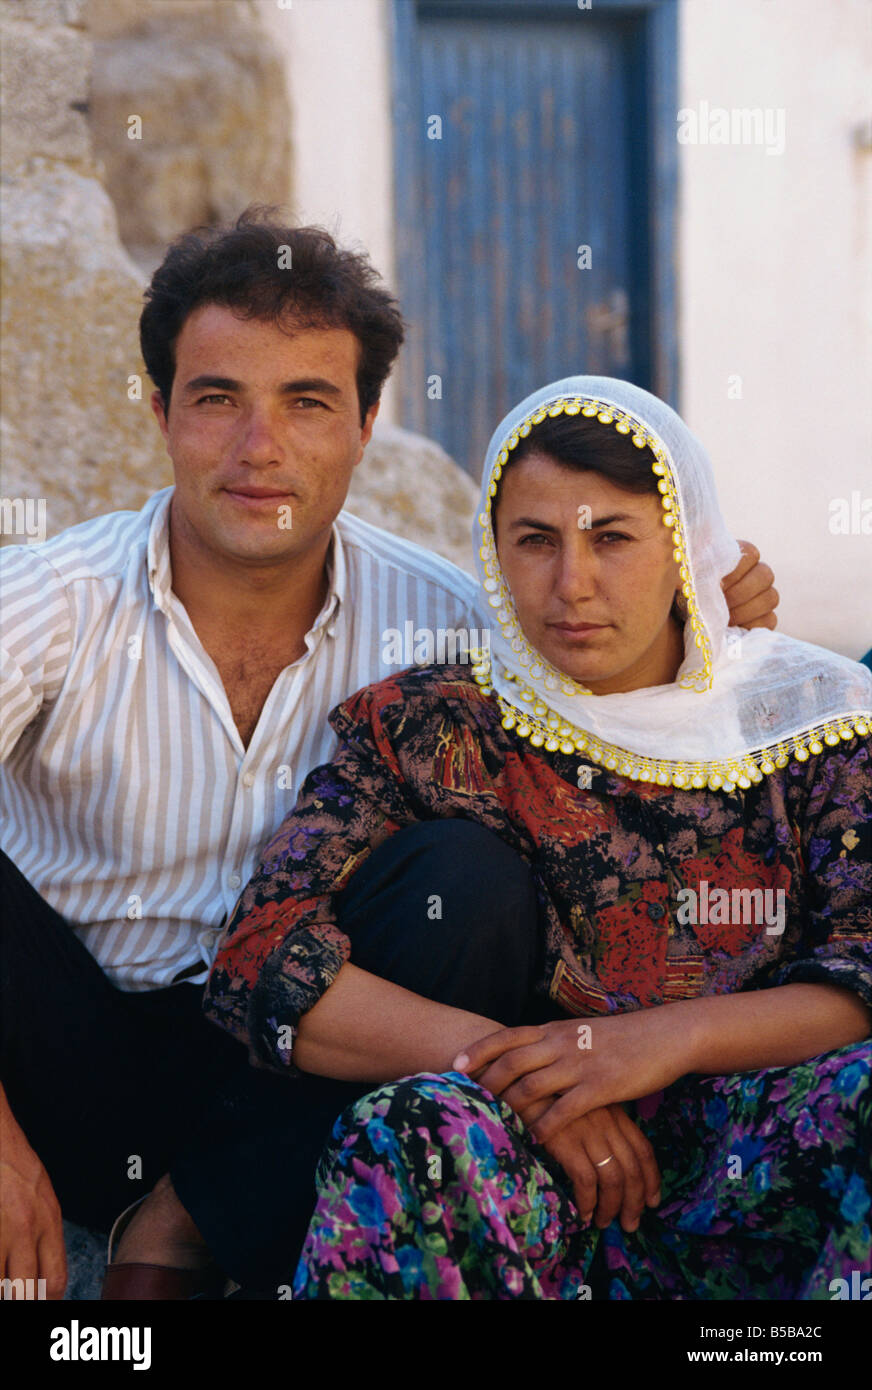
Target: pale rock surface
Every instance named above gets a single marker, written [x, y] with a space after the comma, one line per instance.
[45, 63]
[210, 95]
[71, 296]
[408, 484]
[71, 301]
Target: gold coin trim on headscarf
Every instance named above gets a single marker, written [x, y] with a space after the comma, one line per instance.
[544, 727]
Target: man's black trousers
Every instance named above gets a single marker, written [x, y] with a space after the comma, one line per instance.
[113, 1089]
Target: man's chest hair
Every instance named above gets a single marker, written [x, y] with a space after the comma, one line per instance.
[248, 671]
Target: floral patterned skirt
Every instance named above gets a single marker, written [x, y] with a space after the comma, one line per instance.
[432, 1189]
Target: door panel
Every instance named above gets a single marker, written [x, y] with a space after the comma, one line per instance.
[544, 150]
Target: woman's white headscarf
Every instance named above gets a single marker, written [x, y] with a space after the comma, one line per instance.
[742, 703]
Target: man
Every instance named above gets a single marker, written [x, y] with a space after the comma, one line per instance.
[166, 680]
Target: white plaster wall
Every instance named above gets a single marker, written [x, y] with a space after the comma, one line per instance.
[337, 55]
[775, 275]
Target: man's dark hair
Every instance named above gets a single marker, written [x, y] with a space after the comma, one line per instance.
[292, 276]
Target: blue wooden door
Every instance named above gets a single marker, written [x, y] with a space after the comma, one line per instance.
[534, 196]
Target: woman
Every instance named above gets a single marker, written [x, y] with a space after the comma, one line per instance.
[693, 805]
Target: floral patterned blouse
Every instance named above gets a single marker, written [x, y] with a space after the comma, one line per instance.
[610, 862]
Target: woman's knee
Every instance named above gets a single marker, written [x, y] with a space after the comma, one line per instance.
[423, 1109]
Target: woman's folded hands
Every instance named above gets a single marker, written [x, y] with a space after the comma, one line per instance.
[611, 1165]
[580, 1065]
[566, 1080]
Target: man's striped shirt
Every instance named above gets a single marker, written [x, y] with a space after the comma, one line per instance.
[128, 799]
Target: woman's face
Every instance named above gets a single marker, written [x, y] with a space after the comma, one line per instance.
[593, 588]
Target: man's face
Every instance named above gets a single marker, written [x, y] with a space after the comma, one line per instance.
[593, 599]
[264, 431]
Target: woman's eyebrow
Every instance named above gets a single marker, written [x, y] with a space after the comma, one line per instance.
[529, 521]
[608, 520]
[545, 526]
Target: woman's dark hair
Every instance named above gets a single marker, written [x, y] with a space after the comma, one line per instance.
[286, 275]
[581, 442]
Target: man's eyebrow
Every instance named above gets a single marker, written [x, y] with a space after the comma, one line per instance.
[215, 383]
[287, 388]
[593, 525]
[311, 383]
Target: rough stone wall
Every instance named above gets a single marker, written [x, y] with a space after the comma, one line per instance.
[71, 296]
[208, 93]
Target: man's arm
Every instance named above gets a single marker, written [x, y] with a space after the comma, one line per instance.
[36, 627]
[36, 639]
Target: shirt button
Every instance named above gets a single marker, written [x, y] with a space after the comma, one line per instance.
[656, 911]
[234, 880]
[248, 779]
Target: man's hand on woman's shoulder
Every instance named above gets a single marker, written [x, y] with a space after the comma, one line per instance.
[749, 591]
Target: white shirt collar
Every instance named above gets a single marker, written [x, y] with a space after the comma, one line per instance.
[160, 578]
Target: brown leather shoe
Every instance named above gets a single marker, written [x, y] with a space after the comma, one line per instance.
[136, 1282]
